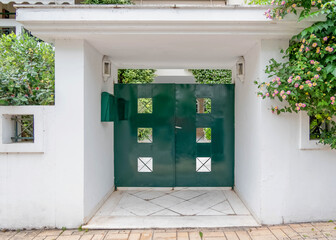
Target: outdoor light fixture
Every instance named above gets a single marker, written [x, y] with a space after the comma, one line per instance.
[240, 69]
[106, 68]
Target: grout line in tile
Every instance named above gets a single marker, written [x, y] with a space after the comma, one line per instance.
[272, 233]
[295, 231]
[233, 208]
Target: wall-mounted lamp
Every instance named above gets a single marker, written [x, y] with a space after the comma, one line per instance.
[240, 69]
[106, 68]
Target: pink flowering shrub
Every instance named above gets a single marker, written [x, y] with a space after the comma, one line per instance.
[307, 78]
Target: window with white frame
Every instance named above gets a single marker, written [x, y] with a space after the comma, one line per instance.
[310, 132]
[22, 128]
[18, 129]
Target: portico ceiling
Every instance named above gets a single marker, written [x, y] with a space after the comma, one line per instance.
[161, 37]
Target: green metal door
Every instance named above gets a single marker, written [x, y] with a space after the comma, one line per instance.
[170, 135]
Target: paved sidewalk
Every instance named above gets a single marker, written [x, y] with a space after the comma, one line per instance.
[322, 230]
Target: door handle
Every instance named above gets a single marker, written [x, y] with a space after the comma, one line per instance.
[178, 127]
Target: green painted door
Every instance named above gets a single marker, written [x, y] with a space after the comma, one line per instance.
[169, 135]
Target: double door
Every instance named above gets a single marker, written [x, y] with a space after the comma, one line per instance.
[169, 135]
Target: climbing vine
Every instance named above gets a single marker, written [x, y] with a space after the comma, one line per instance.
[306, 80]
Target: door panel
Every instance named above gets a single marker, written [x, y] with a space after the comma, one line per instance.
[190, 154]
[127, 148]
[183, 152]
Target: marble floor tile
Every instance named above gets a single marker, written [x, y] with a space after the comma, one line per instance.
[223, 207]
[167, 201]
[148, 195]
[175, 208]
[165, 212]
[188, 194]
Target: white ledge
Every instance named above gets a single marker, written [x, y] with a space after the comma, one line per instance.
[39, 1]
[54, 22]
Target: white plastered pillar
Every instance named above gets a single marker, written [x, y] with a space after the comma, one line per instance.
[256, 175]
[84, 144]
[69, 121]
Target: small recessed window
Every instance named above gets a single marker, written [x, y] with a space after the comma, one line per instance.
[145, 164]
[145, 105]
[203, 135]
[316, 128]
[145, 135]
[203, 105]
[203, 164]
[18, 129]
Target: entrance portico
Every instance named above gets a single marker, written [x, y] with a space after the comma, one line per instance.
[168, 37]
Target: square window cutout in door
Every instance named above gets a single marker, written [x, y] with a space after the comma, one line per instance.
[203, 135]
[203, 105]
[203, 164]
[145, 164]
[145, 105]
[145, 135]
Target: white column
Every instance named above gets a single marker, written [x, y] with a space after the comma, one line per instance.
[69, 121]
[247, 134]
[98, 136]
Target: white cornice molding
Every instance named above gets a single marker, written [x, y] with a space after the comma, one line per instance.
[38, 1]
[53, 22]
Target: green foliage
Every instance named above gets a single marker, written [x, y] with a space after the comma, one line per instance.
[27, 73]
[212, 76]
[119, 2]
[258, 2]
[305, 8]
[136, 75]
[307, 78]
[145, 134]
[207, 133]
[145, 105]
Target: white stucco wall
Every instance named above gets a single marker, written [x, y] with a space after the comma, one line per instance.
[247, 146]
[62, 179]
[98, 136]
[278, 181]
[28, 180]
[69, 121]
[89, 145]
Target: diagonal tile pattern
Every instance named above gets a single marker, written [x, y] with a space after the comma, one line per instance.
[184, 202]
[185, 207]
